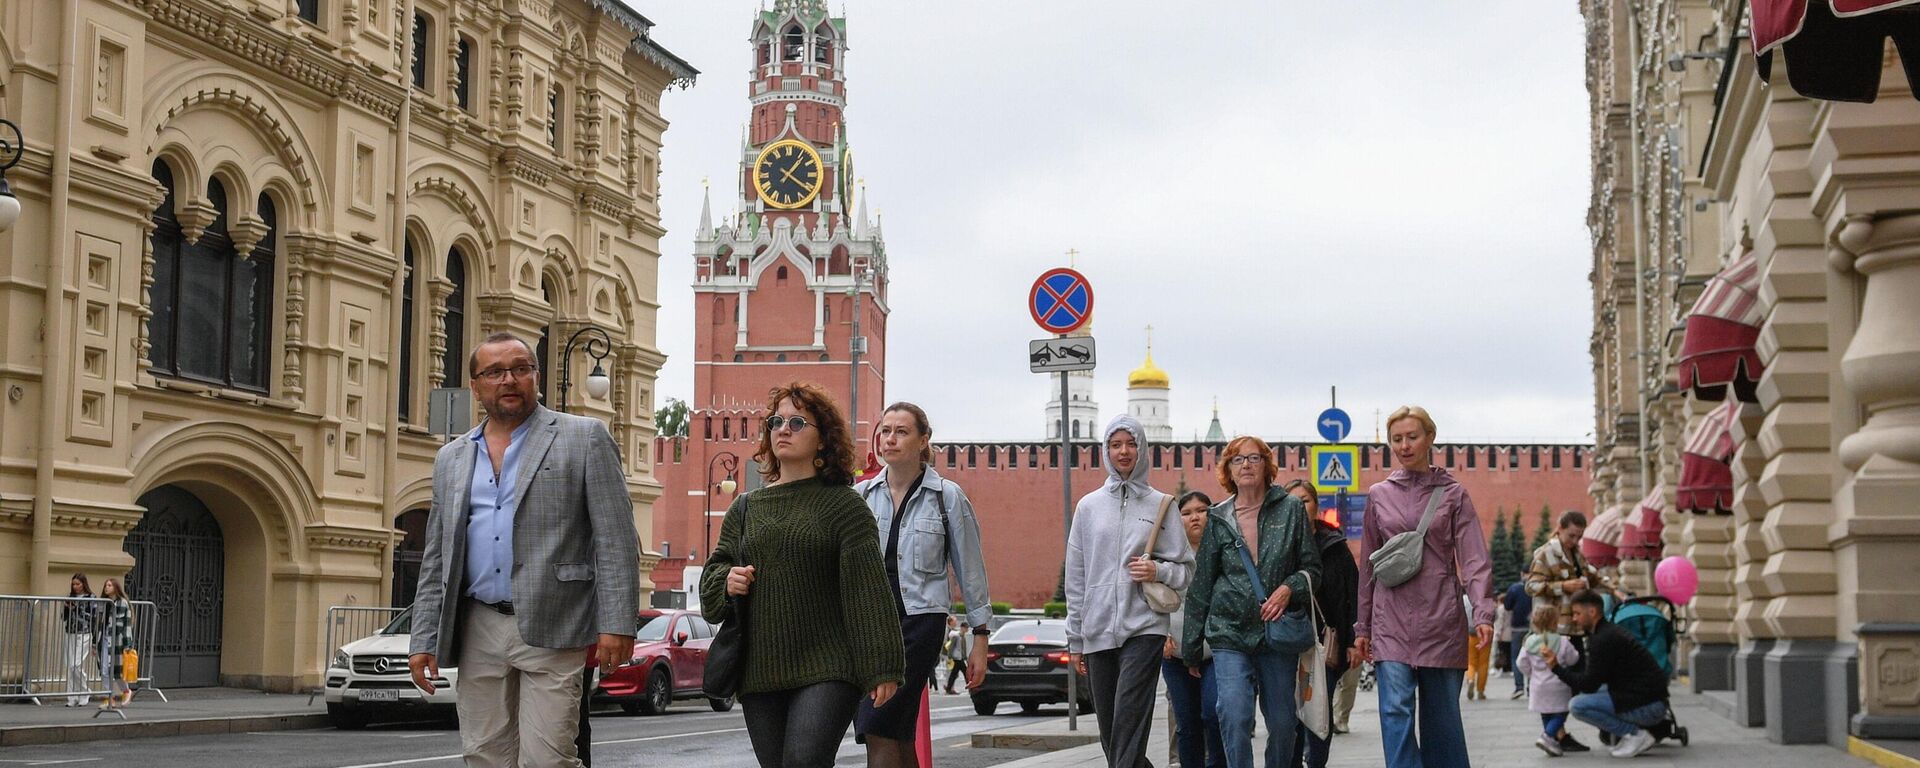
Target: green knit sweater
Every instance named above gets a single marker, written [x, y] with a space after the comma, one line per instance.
[820, 608]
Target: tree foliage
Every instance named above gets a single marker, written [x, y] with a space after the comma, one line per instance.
[671, 419]
[1500, 551]
[1546, 526]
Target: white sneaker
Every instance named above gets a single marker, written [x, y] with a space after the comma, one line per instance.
[1549, 746]
[1632, 746]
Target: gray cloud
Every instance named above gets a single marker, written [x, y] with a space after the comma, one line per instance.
[1387, 197]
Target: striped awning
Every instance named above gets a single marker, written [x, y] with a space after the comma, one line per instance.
[1718, 349]
[1601, 541]
[1835, 48]
[1706, 471]
[1640, 532]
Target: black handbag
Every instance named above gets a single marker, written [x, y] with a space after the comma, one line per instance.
[727, 654]
[1292, 633]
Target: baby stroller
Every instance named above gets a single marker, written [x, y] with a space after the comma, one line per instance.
[1652, 620]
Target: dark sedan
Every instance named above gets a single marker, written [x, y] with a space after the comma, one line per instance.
[1027, 663]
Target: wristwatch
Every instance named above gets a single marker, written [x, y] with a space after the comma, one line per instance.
[982, 631]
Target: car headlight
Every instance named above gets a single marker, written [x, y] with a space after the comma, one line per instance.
[341, 660]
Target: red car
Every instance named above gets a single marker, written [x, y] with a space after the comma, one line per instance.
[669, 658]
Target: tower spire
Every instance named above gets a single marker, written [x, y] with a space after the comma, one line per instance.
[705, 232]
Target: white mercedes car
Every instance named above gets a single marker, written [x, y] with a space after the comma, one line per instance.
[367, 680]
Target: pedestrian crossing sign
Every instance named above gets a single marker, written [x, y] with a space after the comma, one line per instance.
[1335, 467]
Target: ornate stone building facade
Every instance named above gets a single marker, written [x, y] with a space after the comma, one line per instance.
[255, 234]
[1756, 356]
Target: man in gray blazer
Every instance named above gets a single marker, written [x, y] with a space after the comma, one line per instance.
[531, 561]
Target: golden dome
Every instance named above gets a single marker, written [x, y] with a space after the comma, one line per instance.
[1148, 375]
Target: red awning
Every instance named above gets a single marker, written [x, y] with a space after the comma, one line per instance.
[1601, 541]
[1717, 351]
[1640, 534]
[1706, 472]
[1835, 48]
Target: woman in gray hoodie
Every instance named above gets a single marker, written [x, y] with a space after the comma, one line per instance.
[1110, 628]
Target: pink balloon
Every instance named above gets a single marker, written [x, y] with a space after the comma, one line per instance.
[1676, 579]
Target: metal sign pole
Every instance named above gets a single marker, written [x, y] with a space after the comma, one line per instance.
[1066, 530]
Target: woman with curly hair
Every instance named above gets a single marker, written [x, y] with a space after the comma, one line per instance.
[824, 631]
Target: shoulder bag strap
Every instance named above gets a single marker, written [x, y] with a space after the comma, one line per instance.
[1158, 521]
[1433, 503]
[1246, 560]
[745, 525]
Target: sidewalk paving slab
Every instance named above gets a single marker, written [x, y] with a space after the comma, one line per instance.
[1501, 732]
[189, 712]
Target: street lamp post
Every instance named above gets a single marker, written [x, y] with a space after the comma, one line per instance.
[728, 462]
[599, 345]
[12, 146]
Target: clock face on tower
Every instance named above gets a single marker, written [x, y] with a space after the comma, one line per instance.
[788, 174]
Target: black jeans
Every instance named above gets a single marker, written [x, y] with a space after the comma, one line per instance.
[799, 727]
[1123, 682]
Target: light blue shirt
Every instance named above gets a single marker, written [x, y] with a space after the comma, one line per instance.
[490, 517]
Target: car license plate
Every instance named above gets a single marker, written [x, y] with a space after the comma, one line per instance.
[1021, 662]
[380, 695]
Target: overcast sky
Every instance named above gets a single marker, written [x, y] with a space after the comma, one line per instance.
[1387, 197]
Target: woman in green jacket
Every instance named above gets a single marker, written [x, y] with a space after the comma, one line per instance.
[1229, 613]
[115, 639]
[822, 627]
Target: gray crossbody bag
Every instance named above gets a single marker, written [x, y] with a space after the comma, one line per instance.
[1399, 559]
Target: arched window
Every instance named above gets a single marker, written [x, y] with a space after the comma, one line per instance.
[795, 44]
[463, 74]
[212, 307]
[780, 275]
[167, 244]
[420, 35]
[455, 357]
[554, 116]
[719, 310]
[822, 49]
[1076, 429]
[760, 54]
[406, 332]
[780, 358]
[541, 355]
[825, 358]
[739, 358]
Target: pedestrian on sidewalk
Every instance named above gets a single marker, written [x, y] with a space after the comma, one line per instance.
[1338, 591]
[1265, 529]
[927, 526]
[1414, 632]
[824, 628]
[957, 653]
[1191, 692]
[1559, 570]
[1547, 694]
[1344, 693]
[1502, 635]
[531, 559]
[115, 638]
[1479, 652]
[1619, 687]
[1115, 636]
[78, 614]
[1519, 605]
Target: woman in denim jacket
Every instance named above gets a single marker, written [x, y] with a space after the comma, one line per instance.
[926, 526]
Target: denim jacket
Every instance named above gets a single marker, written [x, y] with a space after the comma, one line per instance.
[939, 530]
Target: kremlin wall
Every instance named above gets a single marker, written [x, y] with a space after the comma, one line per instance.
[1015, 490]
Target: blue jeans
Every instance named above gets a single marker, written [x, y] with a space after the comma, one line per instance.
[1239, 678]
[1596, 709]
[1514, 649]
[1196, 727]
[1435, 693]
[1552, 723]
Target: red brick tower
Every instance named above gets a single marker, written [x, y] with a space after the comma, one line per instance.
[786, 288]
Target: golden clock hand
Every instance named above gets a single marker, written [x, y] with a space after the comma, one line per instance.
[788, 172]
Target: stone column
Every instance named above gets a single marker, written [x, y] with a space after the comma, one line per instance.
[1876, 522]
[1797, 481]
[1750, 592]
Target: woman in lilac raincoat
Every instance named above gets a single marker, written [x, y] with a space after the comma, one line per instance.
[1415, 633]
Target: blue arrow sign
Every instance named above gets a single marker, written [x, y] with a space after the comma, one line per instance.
[1333, 424]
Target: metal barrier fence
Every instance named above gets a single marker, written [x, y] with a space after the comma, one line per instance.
[50, 646]
[345, 624]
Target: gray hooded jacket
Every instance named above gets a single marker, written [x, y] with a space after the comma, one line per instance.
[1105, 607]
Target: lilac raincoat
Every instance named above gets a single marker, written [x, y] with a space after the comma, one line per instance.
[1417, 622]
